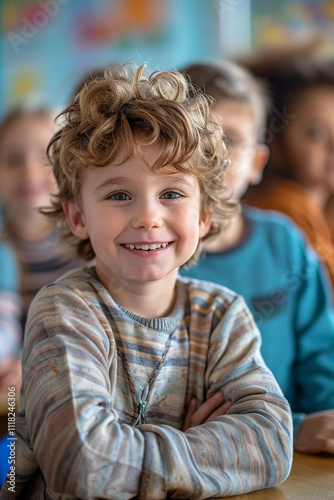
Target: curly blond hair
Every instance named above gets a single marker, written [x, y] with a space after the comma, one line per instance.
[127, 109]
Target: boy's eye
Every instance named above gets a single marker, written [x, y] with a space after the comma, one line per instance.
[170, 195]
[119, 196]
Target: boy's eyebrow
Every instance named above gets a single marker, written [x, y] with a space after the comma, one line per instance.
[119, 180]
[110, 182]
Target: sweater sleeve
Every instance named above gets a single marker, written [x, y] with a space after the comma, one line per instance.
[84, 452]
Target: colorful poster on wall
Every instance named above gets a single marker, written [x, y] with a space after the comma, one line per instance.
[275, 23]
[48, 46]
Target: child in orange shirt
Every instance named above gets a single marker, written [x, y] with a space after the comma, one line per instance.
[299, 179]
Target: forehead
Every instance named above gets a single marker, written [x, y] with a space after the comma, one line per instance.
[26, 130]
[317, 99]
[138, 168]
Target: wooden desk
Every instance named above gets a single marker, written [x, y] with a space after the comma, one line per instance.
[311, 478]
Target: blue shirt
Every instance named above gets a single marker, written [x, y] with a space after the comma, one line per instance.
[9, 269]
[287, 291]
[10, 303]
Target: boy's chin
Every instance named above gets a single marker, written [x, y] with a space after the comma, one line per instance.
[148, 277]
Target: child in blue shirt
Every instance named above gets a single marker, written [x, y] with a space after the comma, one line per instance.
[262, 256]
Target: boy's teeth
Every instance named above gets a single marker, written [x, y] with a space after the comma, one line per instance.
[153, 246]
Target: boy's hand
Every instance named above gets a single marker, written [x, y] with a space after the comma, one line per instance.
[316, 433]
[212, 408]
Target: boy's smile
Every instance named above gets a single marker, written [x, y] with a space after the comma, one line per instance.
[143, 225]
[145, 248]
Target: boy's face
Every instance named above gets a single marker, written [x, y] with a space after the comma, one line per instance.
[306, 151]
[26, 180]
[246, 156]
[142, 225]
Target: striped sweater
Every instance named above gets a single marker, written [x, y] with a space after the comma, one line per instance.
[105, 390]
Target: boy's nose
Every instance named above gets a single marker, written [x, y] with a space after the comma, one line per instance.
[146, 215]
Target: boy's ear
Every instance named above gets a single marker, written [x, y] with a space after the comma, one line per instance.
[204, 223]
[259, 161]
[75, 219]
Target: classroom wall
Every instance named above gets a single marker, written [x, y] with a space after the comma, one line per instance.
[47, 46]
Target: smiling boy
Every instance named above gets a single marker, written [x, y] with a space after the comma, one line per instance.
[126, 366]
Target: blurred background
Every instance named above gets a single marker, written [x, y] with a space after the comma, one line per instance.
[49, 46]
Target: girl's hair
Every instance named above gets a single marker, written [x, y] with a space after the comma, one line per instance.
[224, 80]
[290, 80]
[124, 110]
[286, 74]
